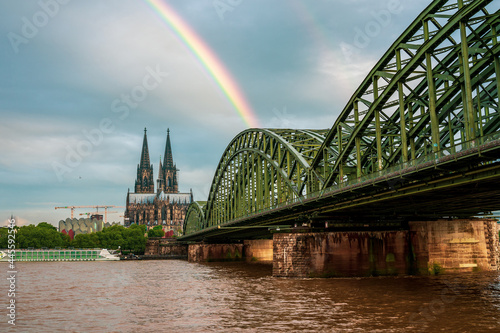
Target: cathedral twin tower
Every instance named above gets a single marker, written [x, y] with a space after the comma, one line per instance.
[166, 207]
[167, 175]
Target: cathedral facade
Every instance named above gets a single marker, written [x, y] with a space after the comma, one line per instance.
[166, 207]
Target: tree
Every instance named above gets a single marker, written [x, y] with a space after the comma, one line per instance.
[111, 238]
[157, 231]
[134, 240]
[86, 241]
[114, 237]
[44, 235]
[4, 232]
[46, 225]
[141, 227]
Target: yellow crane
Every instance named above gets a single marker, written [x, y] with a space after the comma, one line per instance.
[95, 207]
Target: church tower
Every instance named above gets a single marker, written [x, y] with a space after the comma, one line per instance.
[167, 207]
[167, 176]
[144, 182]
[160, 184]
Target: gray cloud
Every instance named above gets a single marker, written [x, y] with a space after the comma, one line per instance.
[62, 83]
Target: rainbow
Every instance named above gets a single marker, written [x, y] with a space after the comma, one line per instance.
[208, 59]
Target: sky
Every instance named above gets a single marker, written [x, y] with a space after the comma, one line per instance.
[81, 79]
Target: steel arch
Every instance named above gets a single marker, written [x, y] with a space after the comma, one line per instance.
[427, 94]
[194, 217]
[259, 169]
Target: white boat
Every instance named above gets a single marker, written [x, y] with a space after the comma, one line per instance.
[59, 255]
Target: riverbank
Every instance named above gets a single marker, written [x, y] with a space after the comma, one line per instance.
[154, 257]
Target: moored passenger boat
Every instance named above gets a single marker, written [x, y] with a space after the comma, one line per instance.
[58, 255]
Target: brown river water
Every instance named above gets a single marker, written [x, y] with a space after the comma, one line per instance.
[177, 296]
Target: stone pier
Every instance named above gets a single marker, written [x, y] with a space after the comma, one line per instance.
[164, 248]
[336, 254]
[429, 247]
[215, 252]
[251, 251]
[456, 245]
[260, 250]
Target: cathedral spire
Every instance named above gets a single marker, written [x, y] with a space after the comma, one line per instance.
[145, 151]
[144, 182]
[167, 177]
[160, 182]
[168, 161]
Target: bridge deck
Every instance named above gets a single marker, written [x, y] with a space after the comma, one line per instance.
[461, 185]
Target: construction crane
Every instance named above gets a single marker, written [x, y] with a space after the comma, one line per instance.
[96, 207]
[95, 213]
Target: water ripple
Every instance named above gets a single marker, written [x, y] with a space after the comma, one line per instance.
[177, 296]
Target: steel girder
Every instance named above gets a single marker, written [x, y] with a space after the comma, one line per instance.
[433, 93]
[434, 90]
[259, 169]
[194, 217]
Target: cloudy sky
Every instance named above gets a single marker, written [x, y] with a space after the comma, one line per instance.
[66, 65]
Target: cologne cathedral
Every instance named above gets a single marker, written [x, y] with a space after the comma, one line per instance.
[167, 206]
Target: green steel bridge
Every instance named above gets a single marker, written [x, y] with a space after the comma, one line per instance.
[419, 139]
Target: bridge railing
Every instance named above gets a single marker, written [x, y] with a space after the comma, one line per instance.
[433, 158]
[392, 173]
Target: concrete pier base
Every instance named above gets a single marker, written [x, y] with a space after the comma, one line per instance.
[165, 248]
[215, 252]
[336, 254]
[251, 251]
[260, 250]
[430, 247]
[455, 245]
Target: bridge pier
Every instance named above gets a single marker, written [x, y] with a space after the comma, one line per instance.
[260, 250]
[456, 245]
[427, 247]
[215, 252]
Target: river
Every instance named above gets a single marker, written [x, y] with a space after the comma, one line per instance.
[177, 296]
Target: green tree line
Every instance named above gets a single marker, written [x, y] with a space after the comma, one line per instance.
[46, 235]
[156, 231]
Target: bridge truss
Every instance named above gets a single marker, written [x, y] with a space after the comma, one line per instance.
[433, 97]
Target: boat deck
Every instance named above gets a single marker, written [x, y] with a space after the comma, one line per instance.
[58, 255]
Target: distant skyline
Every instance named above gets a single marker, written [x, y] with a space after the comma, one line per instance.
[81, 79]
